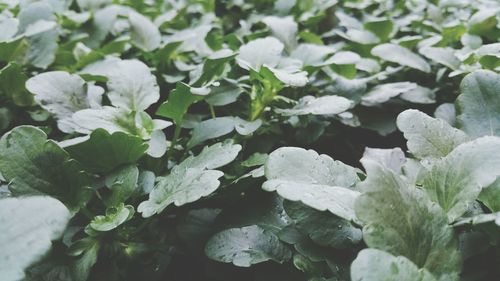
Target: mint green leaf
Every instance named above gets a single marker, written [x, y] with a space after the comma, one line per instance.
[214, 66]
[285, 29]
[382, 27]
[260, 52]
[312, 54]
[191, 180]
[42, 46]
[420, 94]
[376, 265]
[326, 105]
[393, 159]
[479, 219]
[143, 32]
[401, 55]
[444, 56]
[28, 225]
[115, 216]
[384, 92]
[428, 137]
[478, 105]
[246, 246]
[220, 126]
[34, 165]
[210, 129]
[62, 94]
[316, 180]
[401, 220]
[103, 151]
[131, 85]
[455, 181]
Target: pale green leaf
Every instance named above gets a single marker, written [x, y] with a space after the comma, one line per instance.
[316, 180]
[479, 104]
[143, 32]
[28, 225]
[400, 219]
[191, 180]
[455, 181]
[376, 265]
[326, 105]
[400, 55]
[428, 137]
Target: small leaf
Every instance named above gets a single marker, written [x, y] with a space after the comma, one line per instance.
[384, 92]
[191, 180]
[178, 103]
[264, 51]
[246, 246]
[326, 105]
[115, 216]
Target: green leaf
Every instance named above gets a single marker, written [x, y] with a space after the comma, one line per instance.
[326, 105]
[219, 126]
[115, 216]
[246, 246]
[12, 80]
[400, 55]
[34, 165]
[316, 180]
[456, 180]
[376, 265]
[479, 105]
[122, 183]
[401, 220]
[393, 159]
[382, 27]
[103, 152]
[428, 137]
[490, 196]
[322, 227]
[178, 103]
[143, 32]
[28, 225]
[191, 180]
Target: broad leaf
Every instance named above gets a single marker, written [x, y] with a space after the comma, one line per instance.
[115, 216]
[246, 246]
[428, 137]
[455, 181]
[376, 265]
[103, 152]
[28, 225]
[316, 180]
[400, 219]
[34, 165]
[478, 105]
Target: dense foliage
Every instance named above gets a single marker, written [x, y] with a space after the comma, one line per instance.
[249, 140]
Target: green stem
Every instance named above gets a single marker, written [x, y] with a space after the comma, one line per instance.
[177, 133]
[212, 111]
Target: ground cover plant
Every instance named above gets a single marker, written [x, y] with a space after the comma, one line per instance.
[249, 140]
